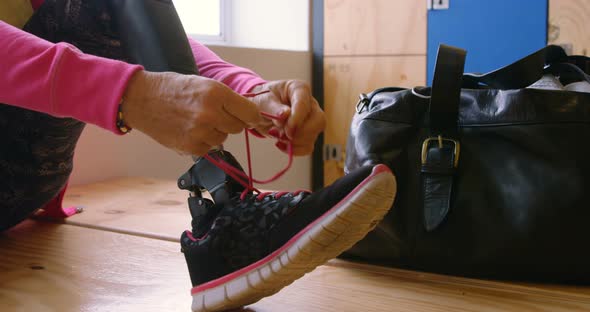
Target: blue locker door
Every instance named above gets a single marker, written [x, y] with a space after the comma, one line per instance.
[494, 32]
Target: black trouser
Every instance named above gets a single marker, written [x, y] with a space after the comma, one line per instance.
[37, 149]
[37, 153]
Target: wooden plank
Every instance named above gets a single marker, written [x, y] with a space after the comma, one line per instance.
[568, 24]
[51, 267]
[146, 207]
[141, 206]
[374, 27]
[576, 292]
[362, 288]
[346, 77]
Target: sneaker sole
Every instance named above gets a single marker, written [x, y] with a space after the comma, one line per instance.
[324, 239]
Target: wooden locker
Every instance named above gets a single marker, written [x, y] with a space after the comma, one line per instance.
[569, 22]
[374, 27]
[367, 45]
[346, 77]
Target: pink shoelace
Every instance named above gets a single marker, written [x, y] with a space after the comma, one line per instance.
[247, 180]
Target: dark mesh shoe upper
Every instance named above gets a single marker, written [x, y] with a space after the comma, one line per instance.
[245, 231]
[238, 237]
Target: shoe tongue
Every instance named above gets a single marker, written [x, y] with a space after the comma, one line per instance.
[220, 185]
[203, 212]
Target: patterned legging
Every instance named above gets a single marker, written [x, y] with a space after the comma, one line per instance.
[37, 150]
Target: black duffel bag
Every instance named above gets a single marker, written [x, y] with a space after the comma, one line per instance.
[493, 177]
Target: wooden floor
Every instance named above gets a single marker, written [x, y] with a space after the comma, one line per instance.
[121, 254]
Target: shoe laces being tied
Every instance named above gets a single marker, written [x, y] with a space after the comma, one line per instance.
[247, 181]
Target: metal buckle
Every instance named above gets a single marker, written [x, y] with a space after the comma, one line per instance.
[440, 140]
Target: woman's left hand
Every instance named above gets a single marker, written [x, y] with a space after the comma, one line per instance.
[301, 118]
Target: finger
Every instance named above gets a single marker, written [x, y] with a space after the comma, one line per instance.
[271, 102]
[279, 120]
[259, 133]
[244, 110]
[282, 146]
[300, 150]
[303, 150]
[279, 112]
[199, 148]
[228, 123]
[301, 101]
[311, 128]
[267, 124]
[277, 133]
[262, 131]
[215, 137]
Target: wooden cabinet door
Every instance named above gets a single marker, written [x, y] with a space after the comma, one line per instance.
[346, 77]
[368, 44]
[569, 22]
[374, 27]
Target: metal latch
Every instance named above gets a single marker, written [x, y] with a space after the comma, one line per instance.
[437, 4]
[335, 153]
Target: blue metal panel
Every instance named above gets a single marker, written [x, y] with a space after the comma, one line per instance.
[494, 32]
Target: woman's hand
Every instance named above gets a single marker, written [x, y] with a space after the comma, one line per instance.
[189, 114]
[302, 118]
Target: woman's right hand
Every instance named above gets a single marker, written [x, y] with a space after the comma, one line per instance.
[187, 113]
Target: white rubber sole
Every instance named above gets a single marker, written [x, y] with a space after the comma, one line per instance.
[334, 233]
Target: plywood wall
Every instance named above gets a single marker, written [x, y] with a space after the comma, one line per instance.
[367, 45]
[569, 25]
[374, 27]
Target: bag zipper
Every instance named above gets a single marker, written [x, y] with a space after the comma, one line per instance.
[365, 99]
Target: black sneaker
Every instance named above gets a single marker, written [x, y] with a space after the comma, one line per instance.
[245, 246]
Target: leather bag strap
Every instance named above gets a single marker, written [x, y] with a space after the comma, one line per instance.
[446, 89]
[440, 152]
[521, 73]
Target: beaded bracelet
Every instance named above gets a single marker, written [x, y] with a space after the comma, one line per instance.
[120, 122]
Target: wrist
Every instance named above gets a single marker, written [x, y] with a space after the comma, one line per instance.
[134, 94]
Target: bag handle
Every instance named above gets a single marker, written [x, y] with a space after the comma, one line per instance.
[521, 73]
[446, 89]
[567, 72]
[581, 61]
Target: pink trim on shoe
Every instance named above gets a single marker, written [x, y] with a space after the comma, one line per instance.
[189, 234]
[224, 279]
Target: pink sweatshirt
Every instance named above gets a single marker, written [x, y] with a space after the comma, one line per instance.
[60, 80]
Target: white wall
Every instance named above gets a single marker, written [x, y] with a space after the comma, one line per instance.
[270, 24]
[101, 155]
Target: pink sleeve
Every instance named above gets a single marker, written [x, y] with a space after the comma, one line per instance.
[59, 80]
[239, 79]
